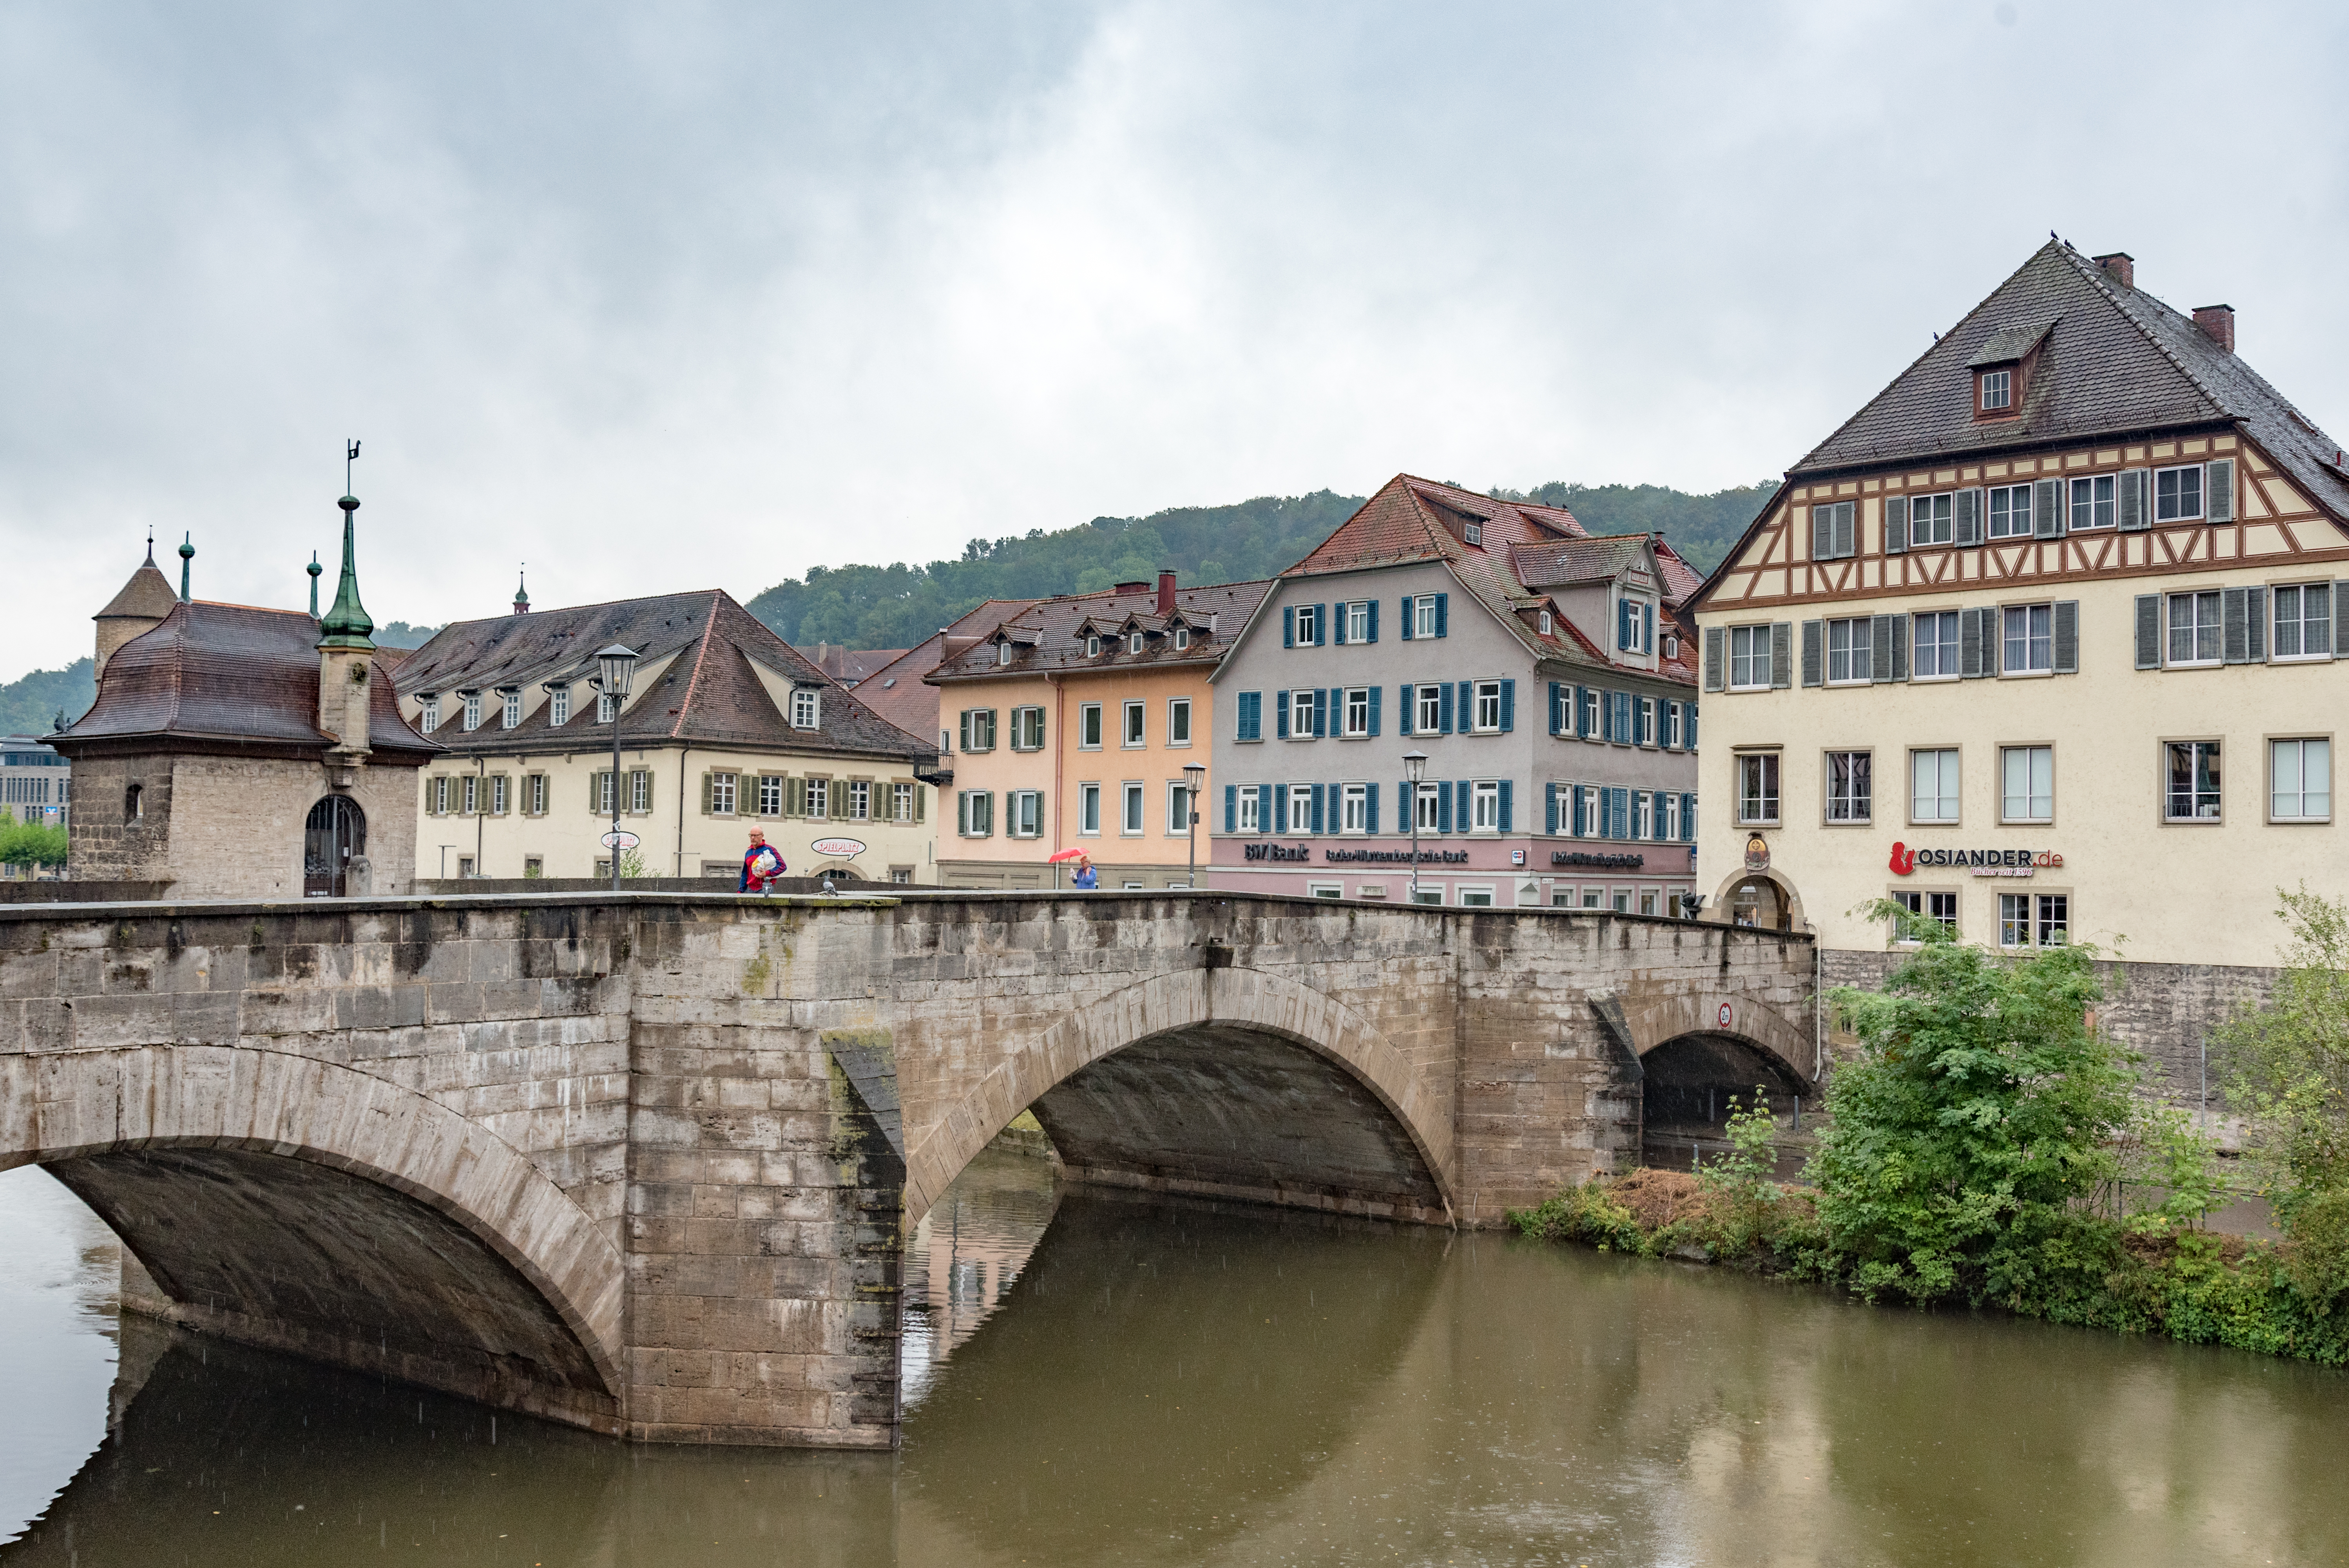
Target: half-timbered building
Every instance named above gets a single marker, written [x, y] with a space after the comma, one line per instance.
[2041, 641]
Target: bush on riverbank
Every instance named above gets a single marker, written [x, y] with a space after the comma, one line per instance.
[1984, 1148]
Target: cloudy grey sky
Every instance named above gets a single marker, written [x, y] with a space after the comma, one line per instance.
[660, 297]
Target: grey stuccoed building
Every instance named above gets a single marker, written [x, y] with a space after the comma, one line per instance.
[1543, 671]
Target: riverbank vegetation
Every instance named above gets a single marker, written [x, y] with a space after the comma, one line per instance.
[1988, 1147]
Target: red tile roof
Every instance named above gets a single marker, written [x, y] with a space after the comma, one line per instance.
[1048, 636]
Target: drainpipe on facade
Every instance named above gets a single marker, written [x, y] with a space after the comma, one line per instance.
[481, 812]
[681, 775]
[1059, 783]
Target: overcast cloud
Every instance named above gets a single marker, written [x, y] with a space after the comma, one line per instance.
[666, 297]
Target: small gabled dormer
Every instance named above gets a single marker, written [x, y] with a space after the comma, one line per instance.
[2002, 369]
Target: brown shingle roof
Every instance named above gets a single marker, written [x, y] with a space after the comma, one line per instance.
[227, 677]
[1049, 629]
[708, 691]
[148, 595]
[896, 690]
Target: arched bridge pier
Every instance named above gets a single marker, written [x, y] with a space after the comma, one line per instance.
[645, 1163]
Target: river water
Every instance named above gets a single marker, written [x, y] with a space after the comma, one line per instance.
[1096, 1378]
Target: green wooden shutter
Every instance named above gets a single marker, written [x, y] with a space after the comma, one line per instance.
[2219, 490]
[1896, 525]
[2047, 508]
[2129, 502]
[1969, 526]
[1899, 666]
[921, 795]
[2148, 631]
[707, 782]
[1713, 658]
[2233, 624]
[1815, 652]
[2067, 636]
[1782, 641]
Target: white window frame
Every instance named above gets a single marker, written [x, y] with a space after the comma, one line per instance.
[1672, 832]
[558, 705]
[1485, 804]
[1939, 524]
[533, 794]
[2300, 744]
[1133, 722]
[604, 705]
[1178, 824]
[1092, 645]
[1301, 713]
[2023, 919]
[1089, 811]
[722, 793]
[2302, 624]
[1181, 639]
[2011, 524]
[2037, 638]
[1429, 805]
[2030, 758]
[1358, 620]
[2195, 815]
[1945, 653]
[1028, 719]
[430, 712]
[472, 710]
[1135, 641]
[1357, 713]
[1325, 889]
[1999, 382]
[1300, 811]
[975, 814]
[1308, 626]
[511, 717]
[1423, 615]
[1643, 816]
[1949, 775]
[1247, 809]
[1023, 813]
[1672, 730]
[2201, 600]
[860, 799]
[1486, 696]
[770, 794]
[1635, 623]
[1755, 657]
[807, 708]
[640, 792]
[901, 802]
[1759, 800]
[1428, 698]
[1089, 726]
[2095, 497]
[815, 798]
[1178, 721]
[1353, 808]
[1930, 903]
[1132, 810]
[1858, 651]
[1853, 805]
[2180, 475]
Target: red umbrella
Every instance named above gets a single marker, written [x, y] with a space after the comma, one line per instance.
[1066, 855]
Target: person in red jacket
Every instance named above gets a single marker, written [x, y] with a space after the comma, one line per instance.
[760, 864]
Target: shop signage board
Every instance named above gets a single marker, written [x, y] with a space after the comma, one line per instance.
[1980, 862]
[847, 849]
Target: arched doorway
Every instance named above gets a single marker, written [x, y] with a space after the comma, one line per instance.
[335, 831]
[1759, 901]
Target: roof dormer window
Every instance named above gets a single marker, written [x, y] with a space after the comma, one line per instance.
[1092, 647]
[1473, 532]
[1545, 623]
[1003, 652]
[1994, 392]
[1134, 643]
[1181, 638]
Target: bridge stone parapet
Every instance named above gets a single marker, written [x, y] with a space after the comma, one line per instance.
[645, 1163]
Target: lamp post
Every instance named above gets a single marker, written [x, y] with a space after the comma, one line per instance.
[617, 667]
[1414, 769]
[1193, 772]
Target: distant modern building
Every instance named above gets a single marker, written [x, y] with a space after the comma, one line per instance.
[1541, 670]
[236, 752]
[35, 781]
[726, 729]
[1069, 727]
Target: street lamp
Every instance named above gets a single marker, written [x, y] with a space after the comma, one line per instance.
[1193, 772]
[619, 668]
[1414, 769]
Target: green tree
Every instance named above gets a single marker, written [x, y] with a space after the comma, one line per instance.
[30, 843]
[1982, 1109]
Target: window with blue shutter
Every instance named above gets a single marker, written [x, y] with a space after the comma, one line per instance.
[1508, 808]
[1509, 709]
[1648, 624]
[1373, 792]
[1586, 812]
[1626, 638]
[1317, 808]
[1586, 711]
[1251, 715]
[1444, 706]
[1467, 707]
[1622, 700]
[1443, 614]
[1406, 617]
[1279, 816]
[1374, 719]
[1688, 818]
[1691, 726]
[1442, 805]
[1373, 608]
[1320, 720]
[1231, 808]
[1464, 805]
[1549, 809]
[1280, 715]
[1265, 823]
[1321, 627]
[1606, 715]
[1289, 625]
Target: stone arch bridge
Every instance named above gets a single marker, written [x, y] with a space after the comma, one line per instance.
[645, 1163]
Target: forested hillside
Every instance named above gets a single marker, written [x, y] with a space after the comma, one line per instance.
[897, 606]
[31, 706]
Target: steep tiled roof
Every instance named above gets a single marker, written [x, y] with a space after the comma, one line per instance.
[147, 594]
[212, 676]
[1049, 629]
[897, 692]
[849, 665]
[2114, 360]
[1571, 561]
[707, 688]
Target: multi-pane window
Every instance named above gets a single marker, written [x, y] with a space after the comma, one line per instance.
[2010, 511]
[1089, 726]
[1749, 658]
[2028, 920]
[2304, 621]
[860, 800]
[1643, 814]
[600, 787]
[473, 794]
[721, 793]
[2092, 504]
[1358, 711]
[1423, 615]
[1936, 644]
[1248, 800]
[1757, 788]
[901, 802]
[805, 707]
[512, 715]
[1354, 809]
[1178, 721]
[1586, 710]
[1130, 735]
[1023, 813]
[640, 791]
[1933, 785]
[1424, 807]
[979, 729]
[1489, 705]
[1089, 809]
[1669, 829]
[430, 716]
[2193, 793]
[1135, 642]
[2027, 783]
[1851, 786]
[1429, 700]
[2028, 646]
[1997, 390]
[1358, 621]
[1178, 810]
[1643, 721]
[2177, 493]
[1486, 795]
[1672, 731]
[1850, 653]
[605, 708]
[2300, 780]
[1940, 906]
[2194, 628]
[1308, 626]
[558, 704]
[1026, 730]
[472, 710]
[816, 795]
[1931, 517]
[1301, 713]
[1131, 822]
[533, 794]
[976, 809]
[1300, 810]
[770, 795]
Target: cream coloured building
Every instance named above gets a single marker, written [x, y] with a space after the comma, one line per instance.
[726, 728]
[2041, 641]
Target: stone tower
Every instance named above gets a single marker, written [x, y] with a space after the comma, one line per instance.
[141, 608]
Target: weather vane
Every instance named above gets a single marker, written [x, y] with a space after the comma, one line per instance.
[350, 456]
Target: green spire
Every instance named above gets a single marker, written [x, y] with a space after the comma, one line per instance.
[313, 568]
[187, 555]
[347, 625]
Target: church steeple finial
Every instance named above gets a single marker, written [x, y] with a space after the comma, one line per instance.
[521, 592]
[346, 625]
[313, 568]
[187, 555]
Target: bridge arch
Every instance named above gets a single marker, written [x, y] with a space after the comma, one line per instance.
[317, 1209]
[1169, 1007]
[1789, 1046]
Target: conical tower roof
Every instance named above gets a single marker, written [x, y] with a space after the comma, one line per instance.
[148, 596]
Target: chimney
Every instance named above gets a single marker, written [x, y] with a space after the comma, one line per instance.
[2218, 323]
[2121, 267]
[1166, 579]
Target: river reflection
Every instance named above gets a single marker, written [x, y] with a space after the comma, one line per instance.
[1182, 1383]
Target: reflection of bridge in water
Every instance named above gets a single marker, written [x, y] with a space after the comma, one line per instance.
[643, 1163]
